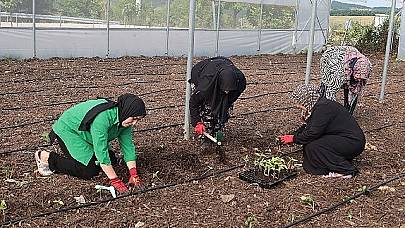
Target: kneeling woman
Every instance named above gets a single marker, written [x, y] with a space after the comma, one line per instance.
[84, 132]
[331, 136]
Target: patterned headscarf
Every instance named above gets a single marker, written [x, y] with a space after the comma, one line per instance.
[306, 95]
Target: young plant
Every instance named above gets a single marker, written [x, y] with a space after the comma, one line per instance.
[3, 206]
[250, 221]
[59, 202]
[291, 164]
[273, 165]
[308, 200]
[362, 189]
[155, 175]
[45, 136]
[291, 218]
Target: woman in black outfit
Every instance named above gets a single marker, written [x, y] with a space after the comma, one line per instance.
[217, 84]
[331, 136]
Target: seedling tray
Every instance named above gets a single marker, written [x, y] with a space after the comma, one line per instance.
[255, 176]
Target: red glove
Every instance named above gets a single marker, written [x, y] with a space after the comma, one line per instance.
[119, 185]
[199, 128]
[285, 139]
[134, 179]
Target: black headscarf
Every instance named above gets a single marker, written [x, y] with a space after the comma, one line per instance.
[214, 78]
[129, 105]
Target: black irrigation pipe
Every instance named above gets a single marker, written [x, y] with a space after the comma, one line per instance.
[149, 129]
[264, 94]
[73, 87]
[53, 119]
[73, 102]
[202, 177]
[345, 201]
[36, 80]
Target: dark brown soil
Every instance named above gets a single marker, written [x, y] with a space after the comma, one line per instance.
[34, 92]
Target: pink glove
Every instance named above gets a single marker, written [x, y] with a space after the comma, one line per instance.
[285, 139]
[119, 185]
[134, 179]
[199, 128]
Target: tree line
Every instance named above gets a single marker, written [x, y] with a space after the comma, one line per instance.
[153, 12]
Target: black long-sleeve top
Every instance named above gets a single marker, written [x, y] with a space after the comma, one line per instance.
[329, 118]
[198, 99]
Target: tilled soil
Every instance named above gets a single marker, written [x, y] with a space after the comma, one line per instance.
[181, 190]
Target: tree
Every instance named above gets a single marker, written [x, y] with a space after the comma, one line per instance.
[81, 8]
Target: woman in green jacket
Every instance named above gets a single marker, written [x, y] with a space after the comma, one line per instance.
[84, 132]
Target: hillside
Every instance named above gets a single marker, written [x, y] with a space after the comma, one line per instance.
[346, 9]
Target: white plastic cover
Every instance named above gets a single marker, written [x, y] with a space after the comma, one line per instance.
[62, 42]
[401, 46]
[267, 2]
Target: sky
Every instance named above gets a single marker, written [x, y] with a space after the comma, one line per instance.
[372, 3]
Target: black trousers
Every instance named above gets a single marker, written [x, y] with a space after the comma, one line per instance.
[332, 153]
[68, 165]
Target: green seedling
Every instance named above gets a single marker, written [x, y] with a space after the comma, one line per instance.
[273, 166]
[291, 218]
[362, 189]
[291, 163]
[250, 221]
[155, 175]
[308, 200]
[60, 202]
[246, 158]
[45, 136]
[347, 198]
[7, 172]
[3, 206]
[349, 216]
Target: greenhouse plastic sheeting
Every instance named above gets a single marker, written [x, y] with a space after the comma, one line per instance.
[401, 46]
[17, 43]
[268, 2]
[70, 42]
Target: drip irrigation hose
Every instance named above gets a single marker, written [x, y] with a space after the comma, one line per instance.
[23, 149]
[365, 192]
[73, 102]
[180, 124]
[204, 176]
[38, 80]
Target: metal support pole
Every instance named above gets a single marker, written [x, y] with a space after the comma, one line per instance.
[387, 50]
[108, 28]
[191, 27]
[218, 22]
[295, 37]
[259, 38]
[311, 43]
[60, 21]
[16, 20]
[167, 26]
[213, 15]
[34, 44]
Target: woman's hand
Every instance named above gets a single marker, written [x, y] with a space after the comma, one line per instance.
[285, 139]
[119, 185]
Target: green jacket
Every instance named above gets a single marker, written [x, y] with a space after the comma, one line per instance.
[82, 145]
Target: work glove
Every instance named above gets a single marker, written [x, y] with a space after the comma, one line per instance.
[119, 185]
[285, 139]
[199, 129]
[134, 179]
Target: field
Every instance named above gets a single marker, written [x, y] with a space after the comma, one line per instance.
[338, 22]
[187, 185]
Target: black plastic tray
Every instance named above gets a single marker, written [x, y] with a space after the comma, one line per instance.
[251, 177]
